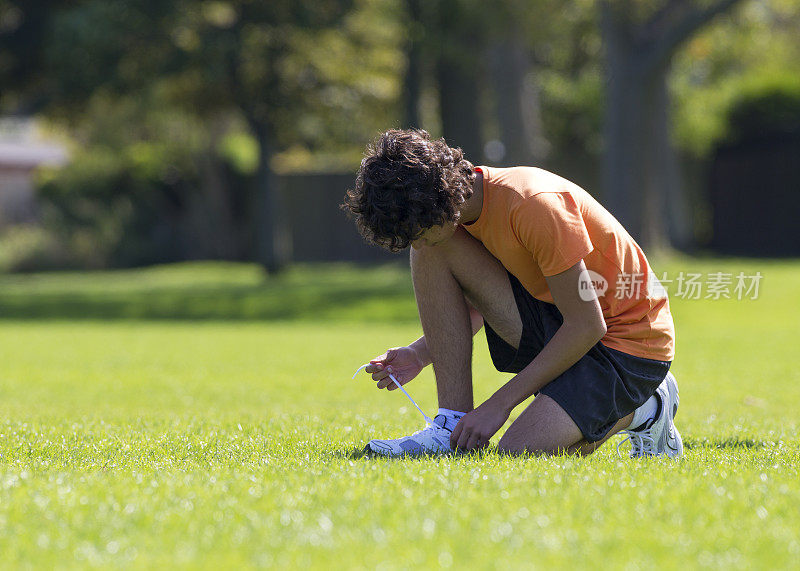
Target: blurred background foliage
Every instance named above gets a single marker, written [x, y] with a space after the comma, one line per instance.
[181, 117]
[748, 54]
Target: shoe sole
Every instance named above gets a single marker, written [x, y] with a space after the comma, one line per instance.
[674, 397]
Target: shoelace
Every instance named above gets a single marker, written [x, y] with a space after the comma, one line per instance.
[428, 419]
[433, 425]
[640, 444]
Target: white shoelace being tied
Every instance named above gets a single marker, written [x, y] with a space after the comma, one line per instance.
[428, 419]
[641, 444]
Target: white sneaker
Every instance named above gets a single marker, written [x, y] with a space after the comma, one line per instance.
[661, 438]
[433, 439]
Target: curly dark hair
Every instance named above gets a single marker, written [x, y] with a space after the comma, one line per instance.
[406, 184]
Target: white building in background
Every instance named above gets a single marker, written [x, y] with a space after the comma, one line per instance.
[22, 150]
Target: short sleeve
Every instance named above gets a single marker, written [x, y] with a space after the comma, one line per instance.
[551, 228]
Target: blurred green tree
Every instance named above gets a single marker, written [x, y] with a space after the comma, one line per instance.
[477, 65]
[749, 53]
[294, 84]
[294, 72]
[520, 40]
[641, 177]
[746, 50]
[213, 57]
[287, 75]
[23, 34]
[143, 186]
[570, 81]
[444, 64]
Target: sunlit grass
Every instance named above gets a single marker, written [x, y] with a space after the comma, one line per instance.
[228, 443]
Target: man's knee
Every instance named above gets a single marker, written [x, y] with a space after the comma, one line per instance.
[422, 262]
[456, 248]
[428, 257]
[512, 442]
[507, 447]
[418, 256]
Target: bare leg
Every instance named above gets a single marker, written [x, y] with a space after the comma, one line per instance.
[445, 320]
[584, 448]
[445, 277]
[543, 427]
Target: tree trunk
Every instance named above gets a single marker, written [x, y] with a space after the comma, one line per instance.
[458, 106]
[642, 182]
[641, 179]
[273, 247]
[516, 106]
[623, 157]
[656, 151]
[412, 79]
[214, 232]
[669, 212]
[458, 53]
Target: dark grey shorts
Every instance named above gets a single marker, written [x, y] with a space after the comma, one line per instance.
[602, 387]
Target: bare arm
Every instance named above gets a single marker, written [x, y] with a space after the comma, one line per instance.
[583, 326]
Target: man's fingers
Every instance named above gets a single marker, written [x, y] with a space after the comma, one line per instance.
[473, 441]
[374, 366]
[455, 434]
[383, 374]
[382, 360]
[387, 382]
[378, 370]
[464, 437]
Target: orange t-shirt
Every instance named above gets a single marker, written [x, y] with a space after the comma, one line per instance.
[539, 224]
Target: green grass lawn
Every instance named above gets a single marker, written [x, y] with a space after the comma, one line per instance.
[152, 438]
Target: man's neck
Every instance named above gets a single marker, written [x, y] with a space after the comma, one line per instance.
[471, 209]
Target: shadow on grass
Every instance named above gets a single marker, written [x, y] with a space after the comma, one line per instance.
[363, 454]
[357, 453]
[324, 293]
[744, 443]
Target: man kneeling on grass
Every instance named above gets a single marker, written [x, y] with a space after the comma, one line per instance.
[568, 300]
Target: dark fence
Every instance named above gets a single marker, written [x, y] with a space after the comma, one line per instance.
[321, 231]
[755, 197]
[754, 190]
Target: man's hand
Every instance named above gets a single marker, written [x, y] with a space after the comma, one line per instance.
[402, 362]
[476, 428]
